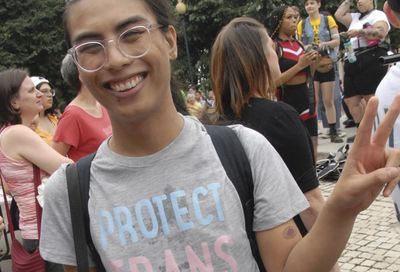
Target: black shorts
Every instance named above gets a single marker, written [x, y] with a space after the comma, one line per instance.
[325, 77]
[364, 76]
[311, 125]
[297, 97]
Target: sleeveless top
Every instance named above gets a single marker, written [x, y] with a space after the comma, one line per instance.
[290, 54]
[18, 175]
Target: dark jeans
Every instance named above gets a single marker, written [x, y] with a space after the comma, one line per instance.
[31, 245]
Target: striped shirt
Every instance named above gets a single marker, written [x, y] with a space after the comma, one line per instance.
[18, 175]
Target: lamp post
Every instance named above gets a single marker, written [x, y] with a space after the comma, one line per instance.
[181, 10]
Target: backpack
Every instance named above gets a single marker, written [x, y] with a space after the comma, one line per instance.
[233, 158]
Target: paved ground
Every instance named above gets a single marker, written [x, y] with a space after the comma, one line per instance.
[375, 241]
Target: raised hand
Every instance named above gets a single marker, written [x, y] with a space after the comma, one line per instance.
[370, 167]
[308, 58]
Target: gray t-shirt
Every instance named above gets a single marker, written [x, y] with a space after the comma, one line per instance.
[175, 210]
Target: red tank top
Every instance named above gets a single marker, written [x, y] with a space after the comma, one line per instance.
[291, 52]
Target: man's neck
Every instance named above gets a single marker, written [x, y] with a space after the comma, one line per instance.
[145, 137]
[314, 15]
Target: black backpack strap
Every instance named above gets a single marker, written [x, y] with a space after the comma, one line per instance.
[77, 218]
[237, 166]
[83, 167]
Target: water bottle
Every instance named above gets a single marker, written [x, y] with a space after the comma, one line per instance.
[351, 56]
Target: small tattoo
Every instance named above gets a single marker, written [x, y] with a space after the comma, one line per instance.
[289, 233]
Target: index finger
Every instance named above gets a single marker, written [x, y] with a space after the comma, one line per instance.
[364, 131]
[385, 128]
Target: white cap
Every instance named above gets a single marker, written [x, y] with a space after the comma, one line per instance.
[37, 80]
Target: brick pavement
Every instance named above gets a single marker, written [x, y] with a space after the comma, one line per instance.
[375, 241]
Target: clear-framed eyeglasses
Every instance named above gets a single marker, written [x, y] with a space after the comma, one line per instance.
[48, 92]
[133, 43]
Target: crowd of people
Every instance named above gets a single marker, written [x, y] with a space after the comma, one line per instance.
[159, 195]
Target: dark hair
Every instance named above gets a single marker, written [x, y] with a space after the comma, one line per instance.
[70, 74]
[11, 81]
[162, 10]
[52, 110]
[239, 67]
[318, 1]
[275, 20]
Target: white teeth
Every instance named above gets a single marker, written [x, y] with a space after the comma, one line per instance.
[131, 83]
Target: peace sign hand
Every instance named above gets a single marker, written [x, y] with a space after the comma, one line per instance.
[370, 167]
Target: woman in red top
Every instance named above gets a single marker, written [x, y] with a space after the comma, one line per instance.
[84, 124]
[295, 65]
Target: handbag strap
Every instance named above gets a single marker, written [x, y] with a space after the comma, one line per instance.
[36, 183]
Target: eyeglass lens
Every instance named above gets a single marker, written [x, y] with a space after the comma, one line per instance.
[134, 43]
[48, 92]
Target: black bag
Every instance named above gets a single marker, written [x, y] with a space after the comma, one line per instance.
[14, 210]
[233, 159]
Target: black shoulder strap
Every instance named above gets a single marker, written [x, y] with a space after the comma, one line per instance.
[78, 180]
[83, 167]
[237, 166]
[77, 218]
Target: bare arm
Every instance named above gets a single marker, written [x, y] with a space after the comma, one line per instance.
[378, 31]
[342, 14]
[61, 147]
[316, 200]
[335, 42]
[309, 216]
[369, 170]
[276, 244]
[304, 61]
[20, 142]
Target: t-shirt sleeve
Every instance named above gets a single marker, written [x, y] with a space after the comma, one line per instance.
[293, 143]
[380, 16]
[56, 240]
[68, 129]
[277, 198]
[331, 22]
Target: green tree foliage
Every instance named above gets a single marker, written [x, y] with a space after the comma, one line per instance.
[204, 19]
[31, 36]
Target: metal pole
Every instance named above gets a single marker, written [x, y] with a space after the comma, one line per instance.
[187, 51]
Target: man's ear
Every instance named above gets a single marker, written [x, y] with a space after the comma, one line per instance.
[170, 36]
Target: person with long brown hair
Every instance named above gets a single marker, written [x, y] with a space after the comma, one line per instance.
[242, 63]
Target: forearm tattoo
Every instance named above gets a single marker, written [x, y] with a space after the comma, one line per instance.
[373, 33]
[335, 36]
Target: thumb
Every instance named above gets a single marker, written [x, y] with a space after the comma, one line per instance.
[387, 176]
